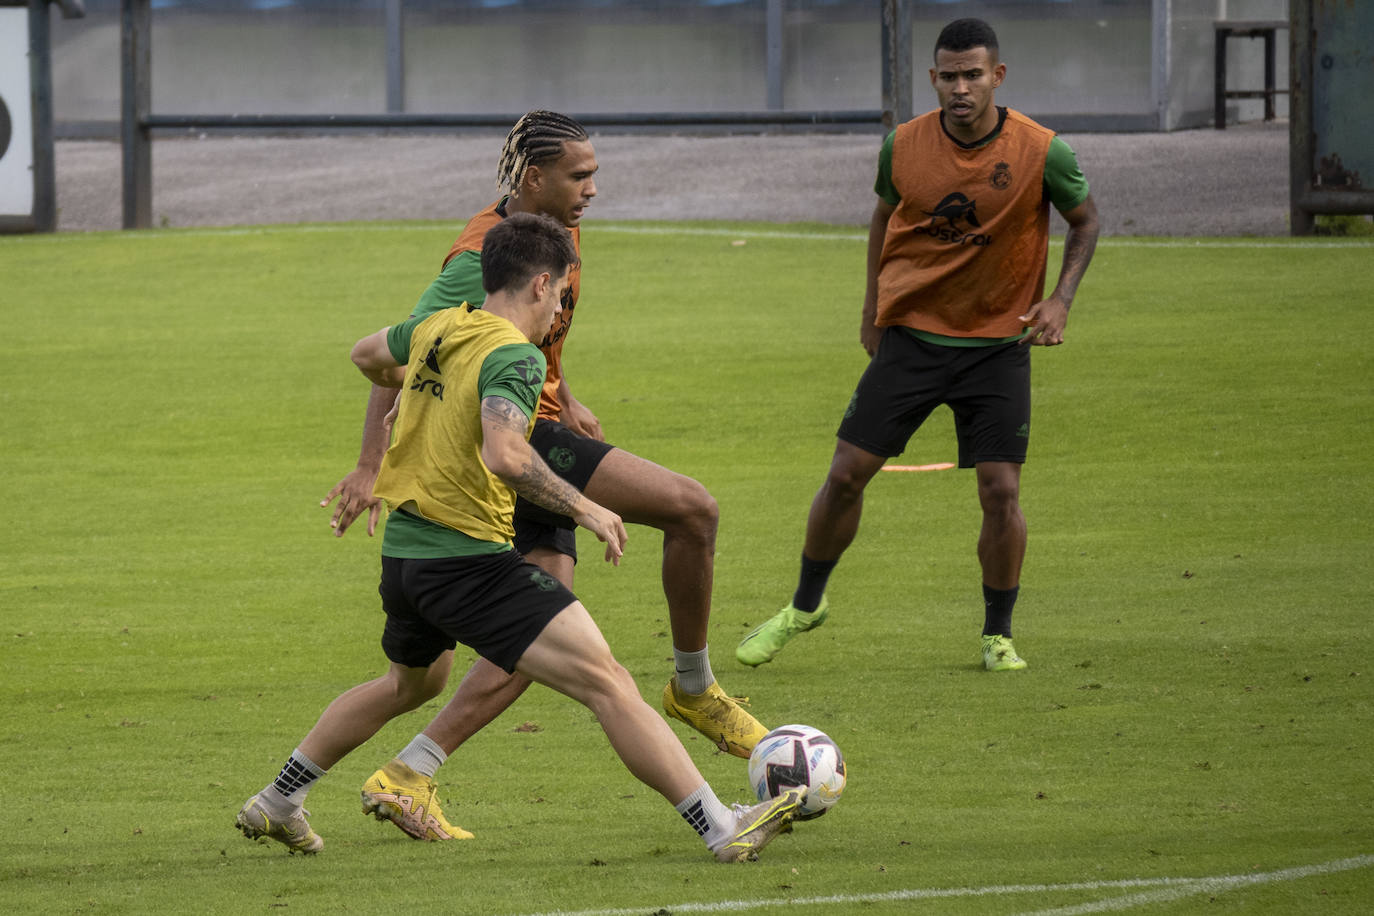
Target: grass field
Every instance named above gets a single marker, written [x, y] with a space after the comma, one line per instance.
[1194, 731]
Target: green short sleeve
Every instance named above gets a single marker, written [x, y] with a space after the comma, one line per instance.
[514, 372]
[884, 187]
[460, 281]
[398, 339]
[1064, 181]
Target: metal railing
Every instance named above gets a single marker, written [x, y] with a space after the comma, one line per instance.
[138, 121]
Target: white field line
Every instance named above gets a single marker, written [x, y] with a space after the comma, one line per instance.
[1157, 890]
[838, 235]
[1211, 886]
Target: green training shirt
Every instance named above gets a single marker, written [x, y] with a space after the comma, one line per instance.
[460, 281]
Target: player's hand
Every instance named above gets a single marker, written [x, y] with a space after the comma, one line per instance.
[578, 418]
[389, 420]
[355, 498]
[608, 528]
[1047, 320]
[869, 337]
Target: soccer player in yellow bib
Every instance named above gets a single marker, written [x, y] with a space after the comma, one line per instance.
[548, 166]
[470, 381]
[957, 248]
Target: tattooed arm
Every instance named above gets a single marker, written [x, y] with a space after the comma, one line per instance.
[508, 455]
[1048, 317]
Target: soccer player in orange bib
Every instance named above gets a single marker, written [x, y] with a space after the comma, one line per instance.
[957, 248]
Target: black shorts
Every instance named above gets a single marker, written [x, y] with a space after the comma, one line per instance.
[572, 457]
[988, 388]
[497, 604]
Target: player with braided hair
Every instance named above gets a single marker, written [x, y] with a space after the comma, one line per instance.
[536, 138]
[547, 166]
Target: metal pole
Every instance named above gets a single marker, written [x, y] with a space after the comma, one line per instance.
[774, 53]
[896, 62]
[1219, 78]
[1161, 60]
[40, 103]
[135, 103]
[1300, 220]
[395, 56]
[1269, 78]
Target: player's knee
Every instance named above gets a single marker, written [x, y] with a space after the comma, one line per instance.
[412, 692]
[695, 512]
[844, 484]
[999, 495]
[612, 686]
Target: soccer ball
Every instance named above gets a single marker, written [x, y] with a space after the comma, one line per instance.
[798, 756]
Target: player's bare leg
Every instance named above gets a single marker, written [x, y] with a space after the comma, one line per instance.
[277, 812]
[483, 694]
[408, 797]
[359, 713]
[1001, 550]
[1002, 539]
[834, 518]
[830, 528]
[571, 656]
[644, 493]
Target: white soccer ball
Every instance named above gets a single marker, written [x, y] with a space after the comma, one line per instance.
[798, 756]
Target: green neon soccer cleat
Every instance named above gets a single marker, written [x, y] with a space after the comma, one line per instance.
[767, 639]
[1000, 655]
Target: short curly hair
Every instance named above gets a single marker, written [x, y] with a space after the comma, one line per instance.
[965, 35]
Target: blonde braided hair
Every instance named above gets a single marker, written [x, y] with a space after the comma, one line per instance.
[537, 137]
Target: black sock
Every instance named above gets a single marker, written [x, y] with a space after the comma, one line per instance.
[997, 605]
[811, 583]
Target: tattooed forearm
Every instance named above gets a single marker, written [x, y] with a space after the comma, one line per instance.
[543, 487]
[531, 477]
[1079, 243]
[1078, 252]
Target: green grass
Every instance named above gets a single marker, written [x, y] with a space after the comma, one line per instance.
[1194, 605]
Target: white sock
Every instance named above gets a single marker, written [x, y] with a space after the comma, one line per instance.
[712, 821]
[423, 756]
[693, 671]
[287, 791]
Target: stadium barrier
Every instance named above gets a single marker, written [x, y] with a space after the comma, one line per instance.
[137, 121]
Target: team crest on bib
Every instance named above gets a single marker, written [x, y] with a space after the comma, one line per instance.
[1001, 176]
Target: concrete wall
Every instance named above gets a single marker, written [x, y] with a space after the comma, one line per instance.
[1077, 64]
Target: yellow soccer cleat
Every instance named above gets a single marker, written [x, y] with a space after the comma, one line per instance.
[717, 716]
[292, 831]
[398, 794]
